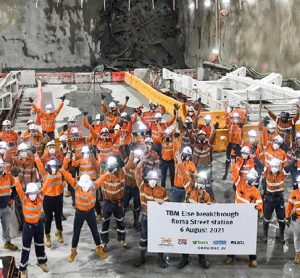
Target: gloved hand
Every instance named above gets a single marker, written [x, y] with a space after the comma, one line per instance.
[288, 131]
[216, 125]
[288, 221]
[241, 125]
[19, 133]
[127, 98]
[31, 100]
[63, 98]
[121, 123]
[33, 149]
[199, 100]
[85, 113]
[102, 97]
[15, 172]
[176, 107]
[134, 133]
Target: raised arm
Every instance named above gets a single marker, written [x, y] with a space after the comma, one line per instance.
[68, 177]
[58, 109]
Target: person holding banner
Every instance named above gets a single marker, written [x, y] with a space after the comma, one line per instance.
[293, 212]
[246, 193]
[149, 191]
[196, 194]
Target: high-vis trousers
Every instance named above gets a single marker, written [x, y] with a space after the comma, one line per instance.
[5, 217]
[144, 232]
[165, 165]
[115, 208]
[178, 194]
[296, 232]
[90, 218]
[36, 232]
[274, 202]
[52, 205]
[131, 192]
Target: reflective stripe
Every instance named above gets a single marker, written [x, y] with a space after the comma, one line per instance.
[31, 209]
[241, 198]
[112, 192]
[25, 248]
[275, 190]
[32, 216]
[85, 204]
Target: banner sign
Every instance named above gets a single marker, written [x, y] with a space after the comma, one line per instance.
[228, 229]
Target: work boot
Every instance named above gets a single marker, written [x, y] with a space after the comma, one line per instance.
[72, 255]
[44, 267]
[142, 259]
[228, 260]
[59, 236]
[253, 263]
[68, 194]
[297, 258]
[161, 261]
[184, 261]
[9, 246]
[136, 216]
[99, 218]
[104, 245]
[227, 163]
[48, 240]
[101, 253]
[203, 261]
[123, 244]
[24, 274]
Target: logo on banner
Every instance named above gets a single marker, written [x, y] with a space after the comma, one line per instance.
[235, 242]
[166, 241]
[200, 242]
[219, 242]
[182, 241]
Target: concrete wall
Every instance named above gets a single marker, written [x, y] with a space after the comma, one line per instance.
[264, 34]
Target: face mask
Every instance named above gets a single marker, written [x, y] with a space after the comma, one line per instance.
[199, 185]
[7, 129]
[274, 170]
[32, 197]
[136, 160]
[276, 146]
[201, 139]
[75, 137]
[168, 139]
[52, 151]
[23, 154]
[245, 156]
[104, 136]
[271, 131]
[190, 113]
[86, 156]
[33, 133]
[53, 170]
[148, 147]
[152, 183]
[48, 111]
[185, 157]
[2, 151]
[86, 187]
[252, 140]
[116, 131]
[236, 120]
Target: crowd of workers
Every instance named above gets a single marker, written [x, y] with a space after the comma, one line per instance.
[127, 157]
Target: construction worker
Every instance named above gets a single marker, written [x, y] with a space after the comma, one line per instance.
[48, 117]
[148, 116]
[112, 115]
[185, 171]
[119, 151]
[76, 142]
[152, 159]
[50, 153]
[85, 192]
[202, 158]
[36, 139]
[253, 144]
[64, 145]
[131, 190]
[293, 213]
[245, 193]
[72, 123]
[274, 197]
[33, 228]
[235, 140]
[27, 131]
[5, 156]
[274, 151]
[195, 193]
[150, 190]
[208, 128]
[168, 153]
[9, 136]
[235, 107]
[7, 195]
[187, 132]
[54, 183]
[283, 121]
[112, 184]
[268, 131]
[157, 128]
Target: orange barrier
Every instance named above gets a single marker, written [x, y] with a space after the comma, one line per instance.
[118, 76]
[3, 75]
[221, 140]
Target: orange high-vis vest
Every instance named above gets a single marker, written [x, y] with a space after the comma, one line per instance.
[183, 172]
[7, 182]
[235, 134]
[26, 167]
[85, 166]
[241, 168]
[77, 146]
[293, 205]
[148, 116]
[245, 195]
[147, 194]
[11, 137]
[109, 116]
[37, 141]
[195, 195]
[129, 170]
[58, 156]
[32, 210]
[47, 120]
[275, 183]
[112, 186]
[202, 154]
[258, 152]
[270, 153]
[168, 150]
[266, 137]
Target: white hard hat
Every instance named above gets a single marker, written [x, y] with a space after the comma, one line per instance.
[148, 140]
[157, 115]
[6, 122]
[85, 181]
[152, 175]
[104, 130]
[271, 125]
[123, 115]
[112, 105]
[236, 115]
[152, 103]
[63, 138]
[1, 163]
[188, 120]
[252, 133]
[72, 119]
[202, 175]
[33, 127]
[3, 145]
[22, 147]
[52, 162]
[207, 117]
[98, 117]
[117, 127]
[252, 174]
[74, 130]
[50, 143]
[29, 122]
[85, 149]
[187, 150]
[278, 138]
[245, 149]
[200, 132]
[275, 162]
[32, 187]
[48, 107]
